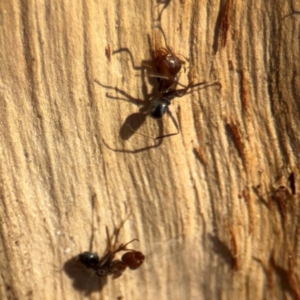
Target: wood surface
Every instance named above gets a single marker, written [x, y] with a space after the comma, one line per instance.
[215, 208]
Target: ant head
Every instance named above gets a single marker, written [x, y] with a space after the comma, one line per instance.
[173, 63]
[167, 63]
[158, 107]
[89, 259]
[133, 259]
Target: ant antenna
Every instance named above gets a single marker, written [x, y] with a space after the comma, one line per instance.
[117, 231]
[165, 38]
[166, 42]
[142, 134]
[123, 247]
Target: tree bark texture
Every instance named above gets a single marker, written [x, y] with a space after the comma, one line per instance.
[215, 208]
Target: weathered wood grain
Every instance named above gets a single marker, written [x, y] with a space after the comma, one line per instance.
[206, 204]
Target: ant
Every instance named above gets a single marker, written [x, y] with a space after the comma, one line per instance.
[107, 265]
[167, 66]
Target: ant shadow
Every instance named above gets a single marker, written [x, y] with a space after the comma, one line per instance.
[221, 249]
[82, 280]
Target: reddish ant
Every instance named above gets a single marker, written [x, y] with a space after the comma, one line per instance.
[167, 66]
[107, 265]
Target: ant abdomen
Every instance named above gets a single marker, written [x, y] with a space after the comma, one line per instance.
[89, 259]
[158, 108]
[133, 259]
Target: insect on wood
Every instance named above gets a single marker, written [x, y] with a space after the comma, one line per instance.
[166, 66]
[107, 264]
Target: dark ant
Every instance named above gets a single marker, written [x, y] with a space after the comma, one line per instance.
[159, 106]
[107, 265]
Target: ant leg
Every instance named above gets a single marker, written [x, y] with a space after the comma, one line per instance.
[175, 124]
[108, 252]
[139, 68]
[208, 84]
[167, 78]
[147, 65]
[131, 57]
[160, 136]
[117, 231]
[164, 36]
[182, 92]
[142, 134]
[167, 45]
[122, 247]
[94, 198]
[135, 101]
